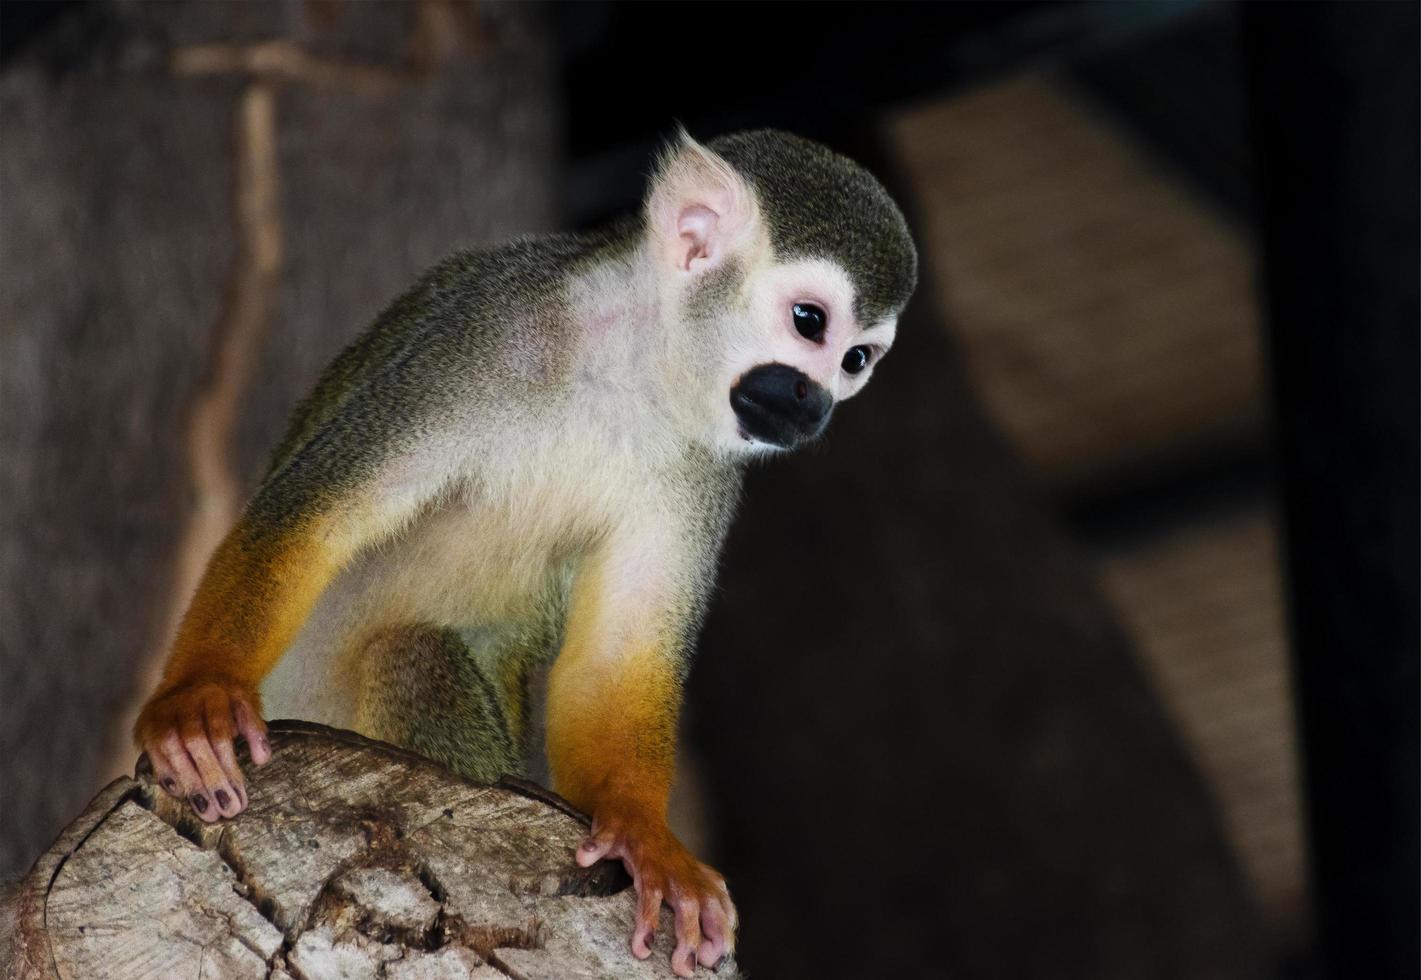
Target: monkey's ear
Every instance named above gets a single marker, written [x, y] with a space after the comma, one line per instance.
[700, 209]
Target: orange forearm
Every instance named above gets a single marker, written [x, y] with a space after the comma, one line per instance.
[613, 699]
[612, 729]
[255, 594]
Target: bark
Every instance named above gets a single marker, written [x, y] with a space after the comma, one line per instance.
[354, 859]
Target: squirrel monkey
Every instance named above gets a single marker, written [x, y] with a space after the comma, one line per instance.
[534, 456]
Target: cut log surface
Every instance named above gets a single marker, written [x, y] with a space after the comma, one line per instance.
[354, 859]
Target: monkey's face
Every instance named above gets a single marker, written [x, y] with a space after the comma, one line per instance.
[762, 347]
[795, 349]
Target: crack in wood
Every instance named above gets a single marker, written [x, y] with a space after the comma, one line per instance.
[489, 884]
[385, 848]
[388, 844]
[251, 890]
[233, 930]
[132, 793]
[176, 815]
[427, 878]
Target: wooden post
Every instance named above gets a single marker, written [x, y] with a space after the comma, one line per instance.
[354, 859]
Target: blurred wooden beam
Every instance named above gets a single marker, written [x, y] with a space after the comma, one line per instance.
[1334, 90]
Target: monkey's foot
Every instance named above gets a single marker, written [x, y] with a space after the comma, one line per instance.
[663, 870]
[187, 732]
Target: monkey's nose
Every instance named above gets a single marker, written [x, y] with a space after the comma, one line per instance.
[780, 405]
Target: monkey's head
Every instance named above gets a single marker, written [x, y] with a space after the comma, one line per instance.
[782, 269]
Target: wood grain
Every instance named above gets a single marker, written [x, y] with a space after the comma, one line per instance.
[354, 859]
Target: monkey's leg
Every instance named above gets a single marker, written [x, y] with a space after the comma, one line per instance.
[424, 690]
[613, 697]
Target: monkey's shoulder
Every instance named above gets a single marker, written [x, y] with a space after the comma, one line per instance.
[481, 286]
[477, 304]
[492, 316]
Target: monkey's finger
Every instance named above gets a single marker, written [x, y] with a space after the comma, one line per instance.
[163, 772]
[688, 936]
[594, 849]
[710, 952]
[724, 908]
[227, 759]
[715, 927]
[648, 913]
[188, 780]
[731, 914]
[221, 729]
[214, 783]
[253, 729]
[220, 797]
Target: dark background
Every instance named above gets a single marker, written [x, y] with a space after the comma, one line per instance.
[1087, 644]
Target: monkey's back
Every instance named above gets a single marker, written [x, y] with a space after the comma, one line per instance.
[456, 319]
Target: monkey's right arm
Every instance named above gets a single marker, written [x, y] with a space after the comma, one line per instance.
[346, 487]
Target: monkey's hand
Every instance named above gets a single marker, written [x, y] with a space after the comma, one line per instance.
[187, 730]
[663, 870]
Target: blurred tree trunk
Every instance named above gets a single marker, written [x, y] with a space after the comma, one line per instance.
[203, 203]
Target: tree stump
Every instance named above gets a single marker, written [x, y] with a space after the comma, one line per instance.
[354, 859]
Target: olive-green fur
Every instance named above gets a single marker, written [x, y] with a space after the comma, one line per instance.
[463, 697]
[820, 204]
[434, 699]
[453, 323]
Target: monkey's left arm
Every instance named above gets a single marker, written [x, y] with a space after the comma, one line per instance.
[614, 695]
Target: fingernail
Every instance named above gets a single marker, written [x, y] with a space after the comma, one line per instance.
[199, 802]
[222, 799]
[170, 786]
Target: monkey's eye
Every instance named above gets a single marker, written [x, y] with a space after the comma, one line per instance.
[809, 320]
[856, 359]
